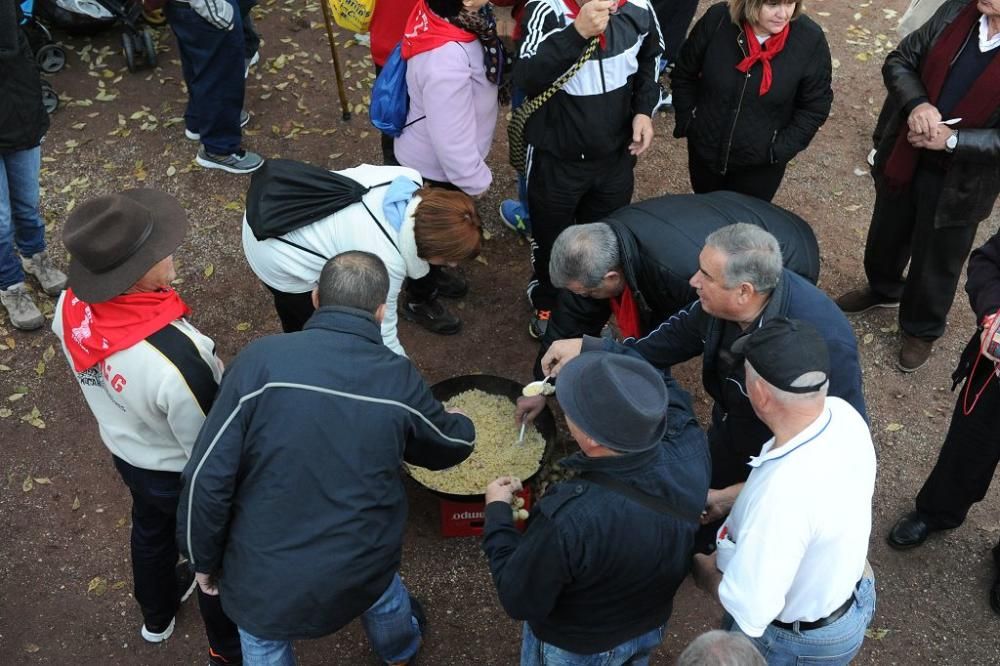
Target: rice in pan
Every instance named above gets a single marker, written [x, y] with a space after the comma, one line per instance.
[497, 452]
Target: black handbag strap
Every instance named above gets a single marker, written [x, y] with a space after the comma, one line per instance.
[658, 504]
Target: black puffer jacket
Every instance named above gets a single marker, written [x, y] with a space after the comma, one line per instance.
[972, 180]
[23, 119]
[719, 109]
[659, 241]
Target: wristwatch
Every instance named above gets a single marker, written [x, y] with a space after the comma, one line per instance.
[951, 143]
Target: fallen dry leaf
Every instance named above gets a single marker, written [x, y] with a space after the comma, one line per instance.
[97, 585]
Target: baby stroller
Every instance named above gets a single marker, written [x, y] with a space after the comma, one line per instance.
[138, 41]
[51, 56]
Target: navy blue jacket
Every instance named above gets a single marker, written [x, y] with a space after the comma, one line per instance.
[293, 495]
[596, 568]
[693, 332]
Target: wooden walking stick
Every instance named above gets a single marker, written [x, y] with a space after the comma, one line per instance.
[341, 93]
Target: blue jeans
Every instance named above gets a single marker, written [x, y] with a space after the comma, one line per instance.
[832, 645]
[389, 625]
[633, 652]
[20, 222]
[212, 63]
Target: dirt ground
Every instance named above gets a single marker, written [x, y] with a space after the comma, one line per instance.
[64, 515]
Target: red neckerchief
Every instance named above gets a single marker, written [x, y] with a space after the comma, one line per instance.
[764, 53]
[975, 108]
[425, 31]
[94, 331]
[627, 314]
[574, 9]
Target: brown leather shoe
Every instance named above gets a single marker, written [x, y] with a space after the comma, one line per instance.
[857, 301]
[913, 353]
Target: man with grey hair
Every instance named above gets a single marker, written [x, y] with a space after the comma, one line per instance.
[636, 262]
[293, 503]
[721, 648]
[741, 285]
[790, 565]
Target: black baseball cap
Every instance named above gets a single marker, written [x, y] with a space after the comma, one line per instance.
[782, 350]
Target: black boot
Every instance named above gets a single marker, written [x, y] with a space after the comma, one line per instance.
[433, 316]
[449, 284]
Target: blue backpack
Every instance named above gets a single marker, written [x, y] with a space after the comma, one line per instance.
[390, 98]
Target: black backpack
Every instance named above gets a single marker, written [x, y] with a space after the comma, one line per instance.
[285, 195]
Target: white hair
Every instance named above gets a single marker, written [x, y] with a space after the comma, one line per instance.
[786, 397]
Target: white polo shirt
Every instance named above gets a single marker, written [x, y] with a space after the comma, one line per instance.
[795, 543]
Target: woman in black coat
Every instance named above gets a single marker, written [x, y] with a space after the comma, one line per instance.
[751, 88]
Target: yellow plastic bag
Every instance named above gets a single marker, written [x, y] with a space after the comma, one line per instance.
[353, 15]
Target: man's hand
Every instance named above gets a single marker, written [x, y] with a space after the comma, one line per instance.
[987, 336]
[924, 120]
[455, 410]
[935, 142]
[706, 574]
[207, 583]
[642, 134]
[719, 503]
[593, 18]
[561, 351]
[503, 489]
[528, 408]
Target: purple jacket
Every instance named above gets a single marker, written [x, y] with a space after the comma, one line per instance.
[448, 85]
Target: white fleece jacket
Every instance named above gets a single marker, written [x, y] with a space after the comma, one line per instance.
[151, 399]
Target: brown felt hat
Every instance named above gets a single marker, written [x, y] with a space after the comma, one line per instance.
[113, 240]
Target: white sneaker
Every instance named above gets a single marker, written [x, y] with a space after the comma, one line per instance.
[247, 64]
[151, 637]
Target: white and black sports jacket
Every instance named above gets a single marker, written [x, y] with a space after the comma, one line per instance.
[591, 117]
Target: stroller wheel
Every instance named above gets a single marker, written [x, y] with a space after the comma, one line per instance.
[128, 50]
[50, 100]
[149, 47]
[51, 58]
[154, 17]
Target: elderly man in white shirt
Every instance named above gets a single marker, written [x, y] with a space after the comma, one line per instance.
[790, 565]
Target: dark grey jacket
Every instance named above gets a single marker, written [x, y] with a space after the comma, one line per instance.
[972, 180]
[293, 495]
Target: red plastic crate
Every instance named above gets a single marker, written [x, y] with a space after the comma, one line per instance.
[461, 519]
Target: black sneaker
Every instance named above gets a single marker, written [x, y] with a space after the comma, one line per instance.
[433, 316]
[539, 322]
[450, 285]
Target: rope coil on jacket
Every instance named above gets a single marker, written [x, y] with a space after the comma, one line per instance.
[518, 154]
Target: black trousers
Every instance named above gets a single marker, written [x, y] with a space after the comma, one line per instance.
[674, 17]
[968, 457]
[294, 310]
[562, 193]
[155, 496]
[761, 181]
[902, 230]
